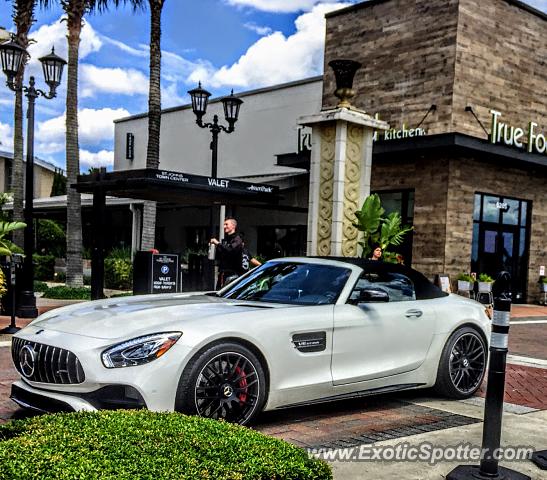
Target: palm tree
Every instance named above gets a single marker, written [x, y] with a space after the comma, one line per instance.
[23, 17]
[76, 10]
[154, 118]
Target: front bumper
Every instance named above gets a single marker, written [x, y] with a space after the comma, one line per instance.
[151, 386]
[109, 397]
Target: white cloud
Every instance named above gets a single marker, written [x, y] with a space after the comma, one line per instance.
[6, 137]
[277, 58]
[280, 6]
[54, 35]
[257, 28]
[103, 158]
[95, 80]
[94, 127]
[142, 52]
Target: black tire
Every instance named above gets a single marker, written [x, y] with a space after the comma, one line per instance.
[225, 381]
[462, 365]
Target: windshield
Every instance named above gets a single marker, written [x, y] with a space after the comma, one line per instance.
[289, 282]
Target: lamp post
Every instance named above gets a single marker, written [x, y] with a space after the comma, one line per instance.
[231, 104]
[12, 56]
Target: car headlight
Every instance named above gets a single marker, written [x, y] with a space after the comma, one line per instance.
[140, 350]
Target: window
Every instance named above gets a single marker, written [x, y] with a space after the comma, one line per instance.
[293, 283]
[398, 286]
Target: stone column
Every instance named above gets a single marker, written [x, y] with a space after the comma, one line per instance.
[340, 169]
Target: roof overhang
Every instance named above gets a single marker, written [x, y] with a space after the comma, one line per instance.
[176, 187]
[458, 143]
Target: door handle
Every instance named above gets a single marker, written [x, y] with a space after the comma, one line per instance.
[413, 313]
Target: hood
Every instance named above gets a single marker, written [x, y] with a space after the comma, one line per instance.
[133, 316]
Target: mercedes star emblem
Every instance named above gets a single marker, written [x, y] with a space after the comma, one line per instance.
[26, 360]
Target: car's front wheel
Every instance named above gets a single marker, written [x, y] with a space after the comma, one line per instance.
[462, 365]
[226, 381]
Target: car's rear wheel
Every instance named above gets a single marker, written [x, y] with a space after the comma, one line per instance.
[462, 365]
[226, 381]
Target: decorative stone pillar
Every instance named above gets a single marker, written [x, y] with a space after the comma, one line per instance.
[340, 169]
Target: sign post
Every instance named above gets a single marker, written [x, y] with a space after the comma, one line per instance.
[155, 273]
[16, 261]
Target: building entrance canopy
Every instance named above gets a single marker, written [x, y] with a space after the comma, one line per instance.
[168, 186]
[160, 186]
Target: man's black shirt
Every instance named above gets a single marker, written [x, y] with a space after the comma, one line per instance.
[229, 253]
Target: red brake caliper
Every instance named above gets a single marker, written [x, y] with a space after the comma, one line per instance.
[242, 384]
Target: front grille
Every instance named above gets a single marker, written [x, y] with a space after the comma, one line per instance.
[46, 364]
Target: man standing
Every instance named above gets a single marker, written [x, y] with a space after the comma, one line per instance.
[228, 252]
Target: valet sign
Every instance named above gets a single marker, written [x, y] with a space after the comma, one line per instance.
[165, 269]
[528, 138]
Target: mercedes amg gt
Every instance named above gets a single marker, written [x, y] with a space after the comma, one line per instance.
[294, 331]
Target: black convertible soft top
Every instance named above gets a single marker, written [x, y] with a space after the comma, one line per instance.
[424, 289]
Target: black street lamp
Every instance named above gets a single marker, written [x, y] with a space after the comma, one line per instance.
[231, 104]
[13, 56]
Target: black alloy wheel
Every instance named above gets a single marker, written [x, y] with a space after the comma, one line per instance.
[225, 382]
[463, 364]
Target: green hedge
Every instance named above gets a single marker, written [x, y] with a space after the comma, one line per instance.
[40, 286]
[68, 293]
[140, 444]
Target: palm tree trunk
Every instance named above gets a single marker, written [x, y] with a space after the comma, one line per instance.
[17, 180]
[74, 270]
[154, 119]
[23, 17]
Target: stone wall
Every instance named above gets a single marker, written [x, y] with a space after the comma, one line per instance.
[444, 199]
[487, 54]
[407, 49]
[428, 176]
[469, 175]
[500, 64]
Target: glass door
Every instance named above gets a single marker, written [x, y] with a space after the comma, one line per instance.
[501, 239]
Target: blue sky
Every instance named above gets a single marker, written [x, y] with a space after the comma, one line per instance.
[239, 44]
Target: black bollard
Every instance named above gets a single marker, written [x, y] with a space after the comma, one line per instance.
[493, 408]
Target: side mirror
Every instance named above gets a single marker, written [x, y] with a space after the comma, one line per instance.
[371, 295]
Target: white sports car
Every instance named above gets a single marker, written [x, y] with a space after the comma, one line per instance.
[294, 331]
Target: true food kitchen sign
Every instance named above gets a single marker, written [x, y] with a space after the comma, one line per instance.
[529, 138]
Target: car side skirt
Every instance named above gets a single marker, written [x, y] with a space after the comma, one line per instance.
[362, 393]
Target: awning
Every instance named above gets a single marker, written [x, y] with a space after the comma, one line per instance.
[168, 186]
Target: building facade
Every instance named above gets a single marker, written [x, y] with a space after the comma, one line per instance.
[267, 146]
[44, 173]
[462, 85]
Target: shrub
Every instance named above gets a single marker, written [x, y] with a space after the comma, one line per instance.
[51, 238]
[44, 266]
[143, 444]
[118, 273]
[3, 284]
[120, 252]
[40, 286]
[68, 293]
[465, 277]
[484, 277]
